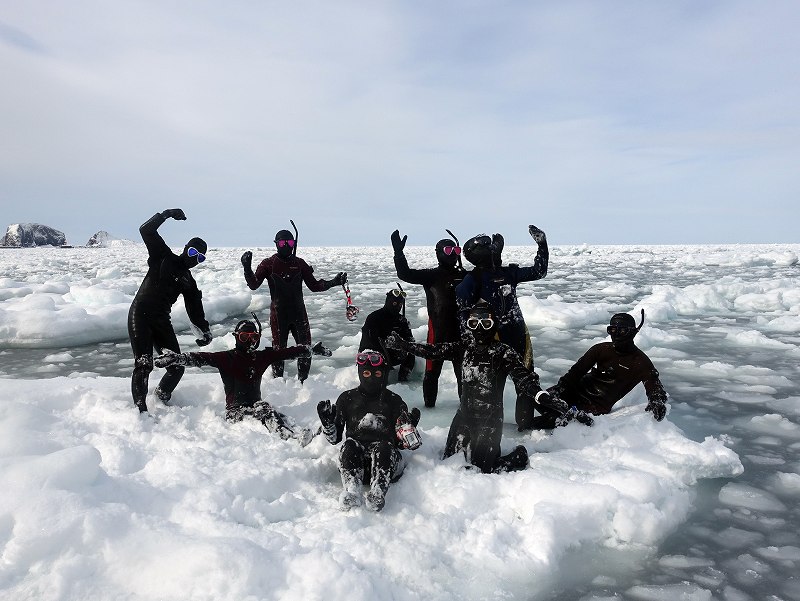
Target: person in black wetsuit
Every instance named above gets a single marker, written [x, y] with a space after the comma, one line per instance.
[497, 285]
[606, 373]
[382, 322]
[369, 417]
[477, 427]
[285, 273]
[149, 323]
[241, 369]
[439, 284]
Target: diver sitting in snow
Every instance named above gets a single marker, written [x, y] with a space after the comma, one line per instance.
[496, 284]
[439, 284]
[606, 373]
[241, 370]
[391, 318]
[285, 273]
[477, 426]
[376, 423]
[149, 323]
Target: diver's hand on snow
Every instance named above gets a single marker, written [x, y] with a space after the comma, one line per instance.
[205, 340]
[176, 214]
[659, 409]
[576, 414]
[169, 358]
[398, 243]
[339, 279]
[414, 416]
[321, 349]
[247, 259]
[538, 235]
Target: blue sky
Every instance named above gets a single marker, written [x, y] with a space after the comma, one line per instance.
[601, 122]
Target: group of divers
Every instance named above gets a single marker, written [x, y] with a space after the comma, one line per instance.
[475, 323]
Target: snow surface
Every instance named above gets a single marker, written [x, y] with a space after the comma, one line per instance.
[98, 502]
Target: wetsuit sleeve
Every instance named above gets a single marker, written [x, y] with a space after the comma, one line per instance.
[156, 247]
[313, 283]
[653, 387]
[539, 268]
[193, 300]
[424, 277]
[405, 330]
[263, 271]
[443, 351]
[581, 368]
[340, 419]
[524, 378]
[202, 359]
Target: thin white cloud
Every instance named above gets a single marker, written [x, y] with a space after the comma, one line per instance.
[479, 116]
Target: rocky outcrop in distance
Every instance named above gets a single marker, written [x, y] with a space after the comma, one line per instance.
[103, 239]
[32, 234]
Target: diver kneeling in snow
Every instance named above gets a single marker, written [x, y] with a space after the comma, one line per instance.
[477, 426]
[149, 323]
[606, 373]
[376, 423]
[382, 322]
[241, 369]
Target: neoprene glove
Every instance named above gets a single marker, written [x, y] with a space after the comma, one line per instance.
[499, 242]
[393, 341]
[247, 259]
[576, 414]
[538, 235]
[327, 415]
[176, 214]
[398, 243]
[205, 340]
[339, 279]
[415, 415]
[169, 358]
[321, 349]
[659, 409]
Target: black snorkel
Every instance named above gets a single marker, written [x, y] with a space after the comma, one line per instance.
[452, 235]
[294, 250]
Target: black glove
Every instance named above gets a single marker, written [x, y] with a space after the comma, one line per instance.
[537, 234]
[321, 349]
[398, 243]
[169, 358]
[205, 340]
[326, 412]
[414, 416]
[339, 279]
[247, 259]
[176, 214]
[393, 341]
[499, 242]
[556, 404]
[576, 414]
[659, 409]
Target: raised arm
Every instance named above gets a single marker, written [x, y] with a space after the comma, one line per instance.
[149, 231]
[540, 263]
[413, 276]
